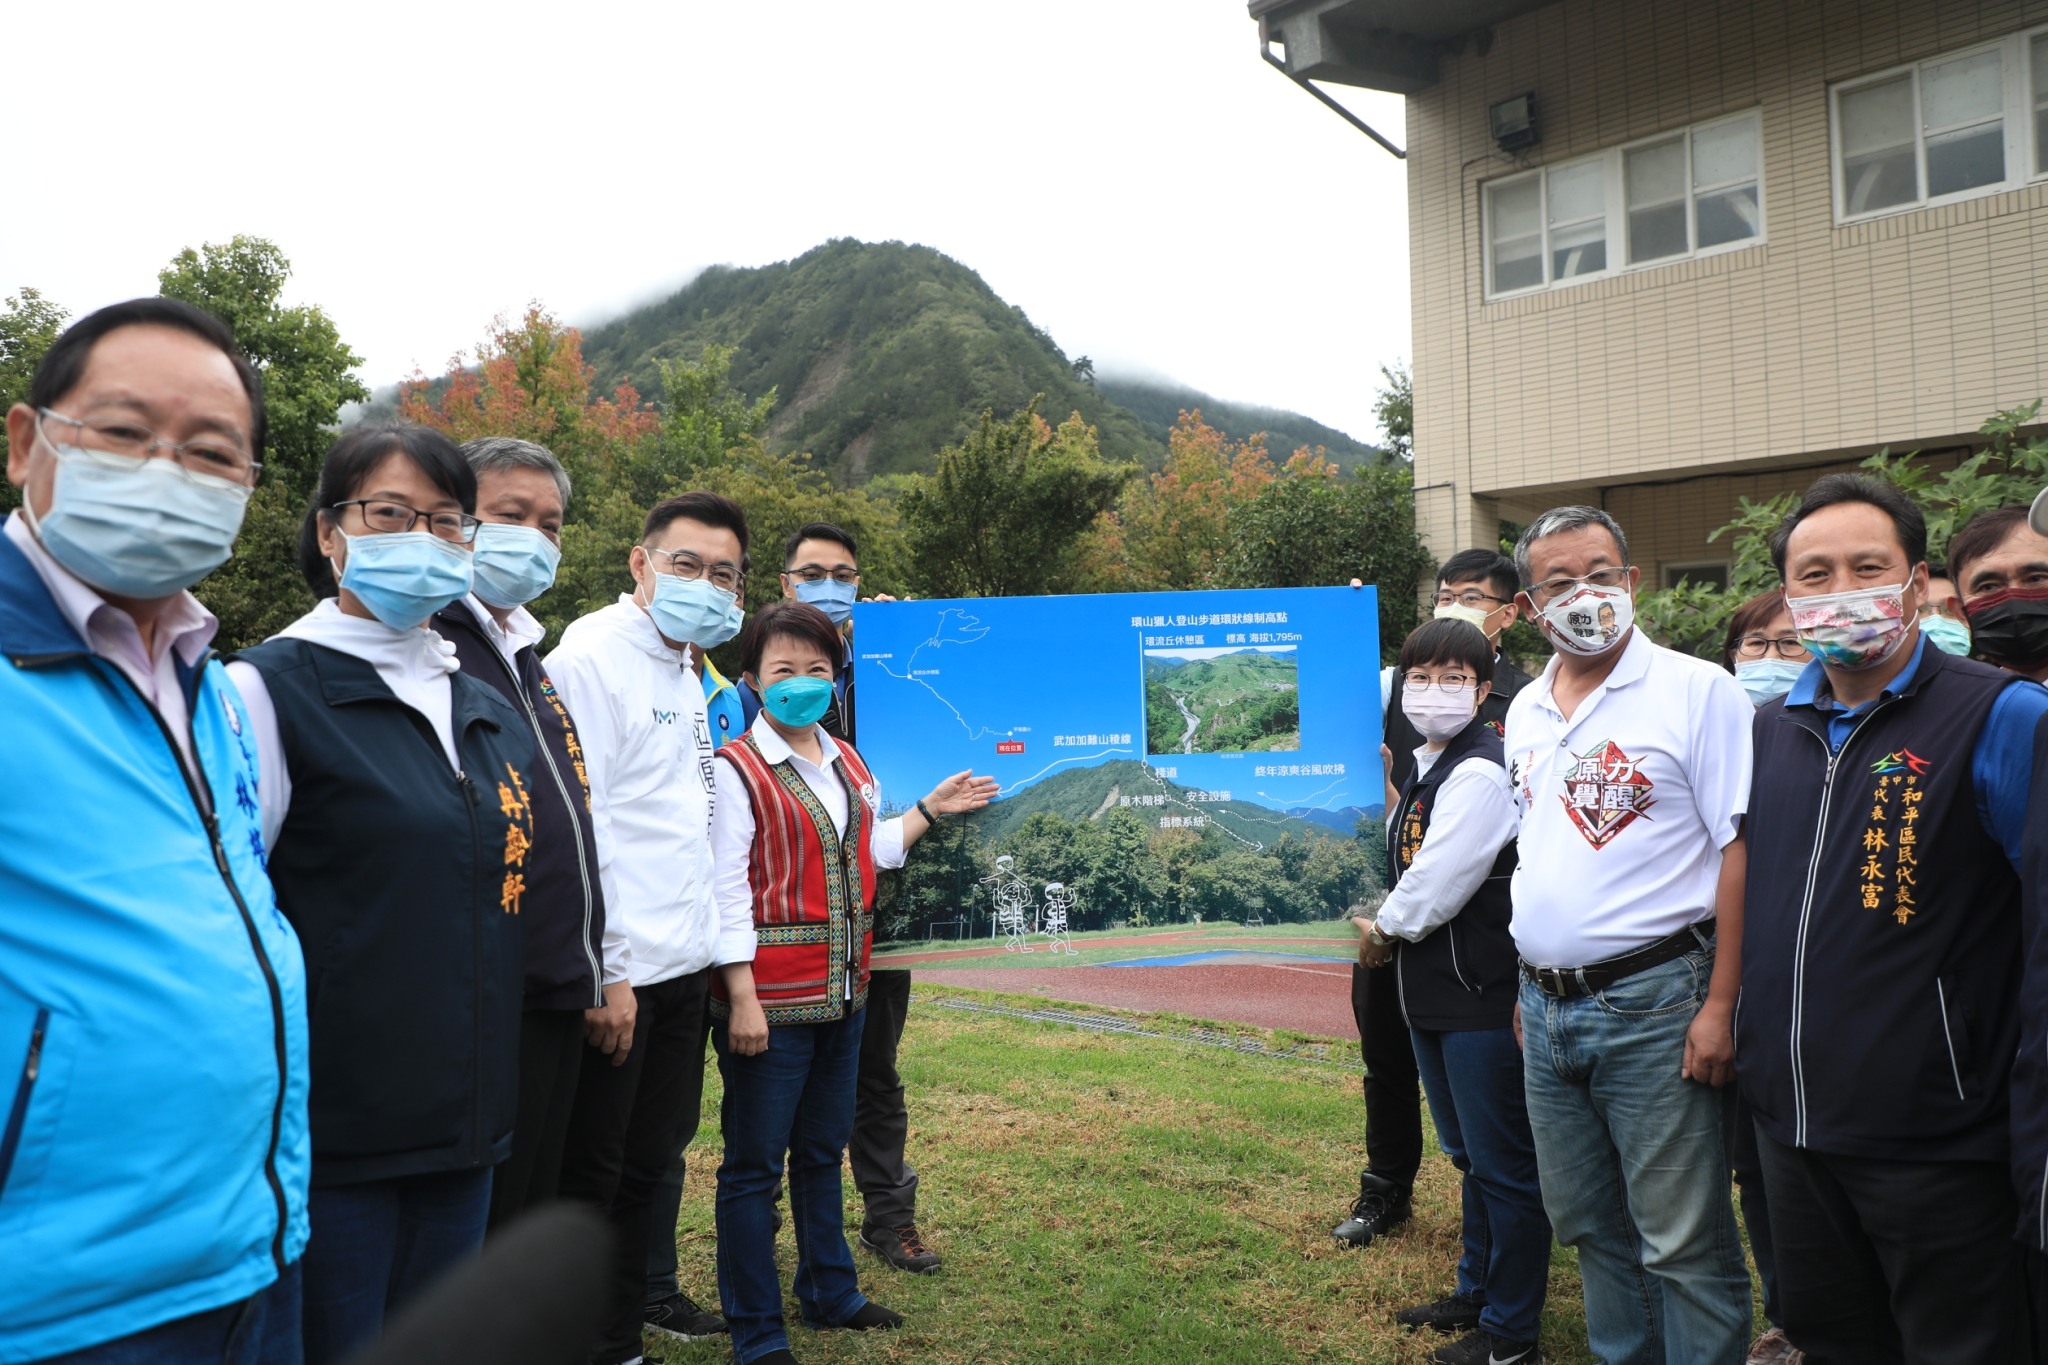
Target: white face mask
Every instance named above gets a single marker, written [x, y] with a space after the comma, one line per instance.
[1437, 714]
[1588, 620]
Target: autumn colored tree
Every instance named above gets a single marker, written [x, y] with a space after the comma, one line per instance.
[1171, 531]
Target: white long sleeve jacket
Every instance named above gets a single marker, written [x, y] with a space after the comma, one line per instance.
[647, 749]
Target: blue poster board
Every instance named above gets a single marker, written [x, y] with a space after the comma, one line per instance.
[1241, 717]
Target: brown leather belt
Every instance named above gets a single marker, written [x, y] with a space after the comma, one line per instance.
[1568, 982]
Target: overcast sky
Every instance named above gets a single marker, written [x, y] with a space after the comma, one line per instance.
[1127, 171]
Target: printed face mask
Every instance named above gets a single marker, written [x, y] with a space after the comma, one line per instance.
[514, 564]
[2010, 627]
[1948, 634]
[834, 599]
[1588, 620]
[1860, 628]
[1458, 611]
[798, 702]
[137, 528]
[1436, 714]
[690, 611]
[404, 577]
[1767, 679]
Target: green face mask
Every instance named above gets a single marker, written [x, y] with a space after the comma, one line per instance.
[1948, 634]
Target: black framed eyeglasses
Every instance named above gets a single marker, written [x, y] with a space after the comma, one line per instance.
[384, 517]
[1471, 597]
[811, 573]
[1786, 647]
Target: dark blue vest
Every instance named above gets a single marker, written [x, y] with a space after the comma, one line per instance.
[1462, 974]
[405, 882]
[1881, 937]
[2030, 1071]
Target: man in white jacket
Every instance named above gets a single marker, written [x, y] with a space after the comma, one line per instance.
[624, 672]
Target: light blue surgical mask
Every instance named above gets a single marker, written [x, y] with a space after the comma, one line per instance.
[514, 564]
[833, 598]
[137, 528]
[1949, 635]
[692, 612]
[798, 702]
[1767, 679]
[404, 577]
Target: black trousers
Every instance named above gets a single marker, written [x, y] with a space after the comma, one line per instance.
[881, 1121]
[1888, 1262]
[1741, 1138]
[630, 1121]
[550, 1059]
[1393, 1089]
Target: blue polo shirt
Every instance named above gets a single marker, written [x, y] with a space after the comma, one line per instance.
[2001, 768]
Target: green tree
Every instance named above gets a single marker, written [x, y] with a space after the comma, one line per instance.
[29, 323]
[1393, 407]
[1006, 509]
[1314, 525]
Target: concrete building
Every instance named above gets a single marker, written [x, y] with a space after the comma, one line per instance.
[1730, 244]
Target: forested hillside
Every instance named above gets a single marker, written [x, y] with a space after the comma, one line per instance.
[1158, 404]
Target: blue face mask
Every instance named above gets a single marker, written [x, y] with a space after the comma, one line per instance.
[834, 599]
[692, 612]
[798, 702]
[1949, 635]
[137, 528]
[514, 564]
[406, 576]
[1767, 679]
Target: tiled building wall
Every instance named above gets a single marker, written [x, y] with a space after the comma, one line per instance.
[1905, 331]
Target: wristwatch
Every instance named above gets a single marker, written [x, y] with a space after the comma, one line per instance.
[1378, 939]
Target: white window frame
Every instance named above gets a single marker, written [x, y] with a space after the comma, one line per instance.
[1615, 190]
[2022, 156]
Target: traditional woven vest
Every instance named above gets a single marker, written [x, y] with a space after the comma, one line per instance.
[814, 893]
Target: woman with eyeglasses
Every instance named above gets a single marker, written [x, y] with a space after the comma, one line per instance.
[394, 807]
[1762, 650]
[1444, 926]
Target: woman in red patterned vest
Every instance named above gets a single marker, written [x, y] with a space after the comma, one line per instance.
[797, 836]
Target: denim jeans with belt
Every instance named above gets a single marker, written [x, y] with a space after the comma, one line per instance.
[1635, 1169]
[794, 1102]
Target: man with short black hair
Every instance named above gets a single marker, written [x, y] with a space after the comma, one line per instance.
[625, 674]
[154, 1155]
[1880, 982]
[1476, 586]
[1630, 766]
[2000, 567]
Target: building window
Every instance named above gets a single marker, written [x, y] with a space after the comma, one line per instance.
[1647, 203]
[1950, 127]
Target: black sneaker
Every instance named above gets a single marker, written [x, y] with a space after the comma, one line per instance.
[679, 1317]
[1454, 1314]
[901, 1247]
[1484, 1348]
[1382, 1206]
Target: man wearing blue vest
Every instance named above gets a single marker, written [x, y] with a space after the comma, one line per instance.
[153, 1142]
[1881, 953]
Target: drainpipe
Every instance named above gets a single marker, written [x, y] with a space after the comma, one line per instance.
[1266, 51]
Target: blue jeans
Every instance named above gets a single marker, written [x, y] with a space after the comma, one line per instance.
[1474, 1082]
[796, 1101]
[1634, 1168]
[262, 1329]
[377, 1245]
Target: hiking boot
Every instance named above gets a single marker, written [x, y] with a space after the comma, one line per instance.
[1484, 1348]
[1774, 1348]
[901, 1247]
[1382, 1206]
[1458, 1313]
[679, 1317]
[871, 1317]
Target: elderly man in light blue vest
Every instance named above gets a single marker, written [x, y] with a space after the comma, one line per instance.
[153, 1148]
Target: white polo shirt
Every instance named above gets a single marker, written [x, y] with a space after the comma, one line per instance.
[1625, 807]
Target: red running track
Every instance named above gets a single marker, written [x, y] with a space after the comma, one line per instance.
[1312, 998]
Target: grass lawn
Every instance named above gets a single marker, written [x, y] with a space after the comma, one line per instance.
[1099, 1197]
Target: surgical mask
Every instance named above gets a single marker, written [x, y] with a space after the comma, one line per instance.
[1766, 680]
[514, 564]
[1588, 620]
[1436, 714]
[832, 598]
[404, 577]
[137, 528]
[690, 611]
[1458, 611]
[1948, 634]
[1860, 628]
[798, 702]
[2011, 627]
